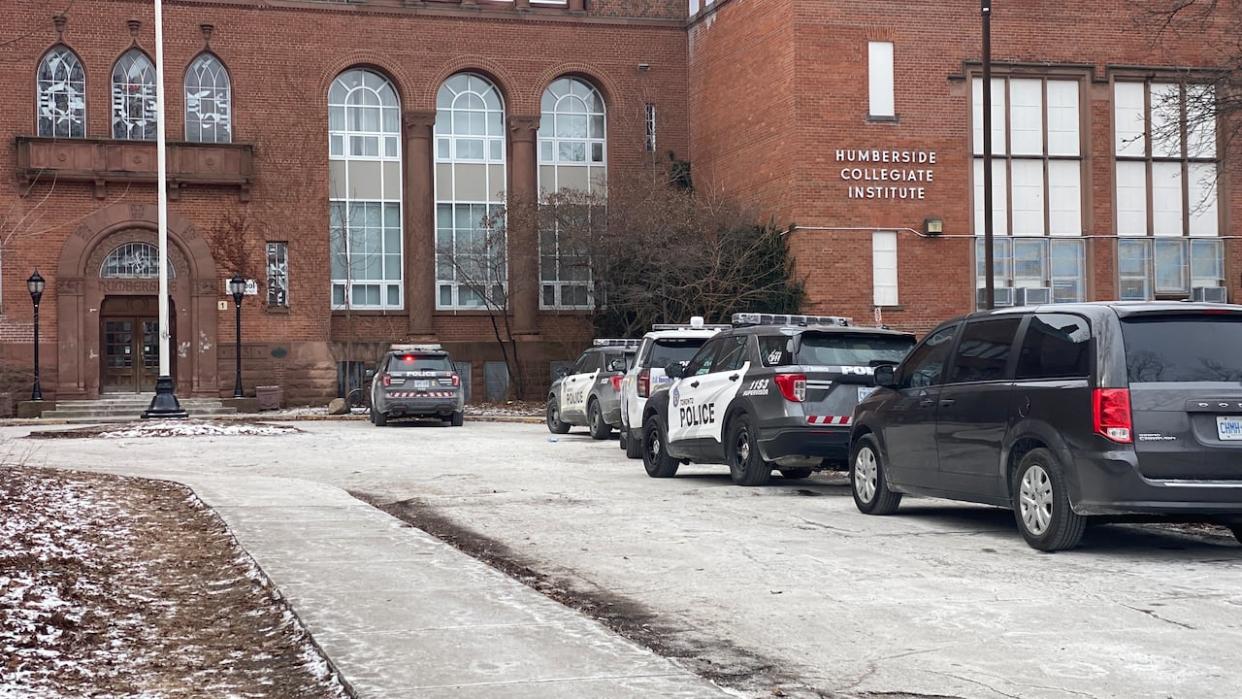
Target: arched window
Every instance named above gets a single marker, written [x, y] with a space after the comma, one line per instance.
[133, 97]
[470, 194]
[134, 261]
[62, 95]
[208, 101]
[573, 160]
[364, 191]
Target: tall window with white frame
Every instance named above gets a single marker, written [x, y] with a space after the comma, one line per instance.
[881, 97]
[884, 268]
[1037, 180]
[573, 159]
[133, 97]
[208, 101]
[364, 191]
[62, 94]
[470, 194]
[1168, 220]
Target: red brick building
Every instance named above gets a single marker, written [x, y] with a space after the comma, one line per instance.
[831, 113]
[342, 154]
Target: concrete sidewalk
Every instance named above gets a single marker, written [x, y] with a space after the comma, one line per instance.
[402, 614]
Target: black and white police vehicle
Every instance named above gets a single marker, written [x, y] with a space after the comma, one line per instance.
[664, 345]
[775, 392]
[590, 394]
[416, 381]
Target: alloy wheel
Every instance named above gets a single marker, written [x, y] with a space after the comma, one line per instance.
[1036, 499]
[866, 473]
[742, 447]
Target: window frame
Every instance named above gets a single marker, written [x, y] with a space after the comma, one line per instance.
[881, 85]
[279, 246]
[342, 209]
[495, 153]
[1151, 279]
[120, 116]
[554, 281]
[903, 371]
[221, 71]
[61, 49]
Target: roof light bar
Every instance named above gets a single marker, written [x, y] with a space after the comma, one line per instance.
[415, 348]
[608, 342]
[696, 323]
[748, 319]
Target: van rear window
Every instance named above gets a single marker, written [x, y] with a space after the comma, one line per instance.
[841, 349]
[1183, 348]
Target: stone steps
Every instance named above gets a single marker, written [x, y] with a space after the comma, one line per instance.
[129, 407]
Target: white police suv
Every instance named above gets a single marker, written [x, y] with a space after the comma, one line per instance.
[773, 393]
[590, 393]
[664, 345]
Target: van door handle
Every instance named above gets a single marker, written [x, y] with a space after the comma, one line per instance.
[734, 377]
[694, 384]
[947, 403]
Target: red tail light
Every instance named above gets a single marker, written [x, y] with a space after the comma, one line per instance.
[456, 380]
[644, 383]
[793, 386]
[387, 379]
[1113, 419]
[616, 381]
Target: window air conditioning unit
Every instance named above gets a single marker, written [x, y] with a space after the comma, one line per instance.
[1034, 296]
[1210, 294]
[1003, 297]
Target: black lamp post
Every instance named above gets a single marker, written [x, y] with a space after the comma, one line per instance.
[35, 285]
[989, 251]
[237, 287]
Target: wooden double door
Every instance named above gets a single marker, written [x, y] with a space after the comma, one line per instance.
[130, 344]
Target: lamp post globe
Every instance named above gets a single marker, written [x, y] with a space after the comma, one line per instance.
[35, 285]
[237, 287]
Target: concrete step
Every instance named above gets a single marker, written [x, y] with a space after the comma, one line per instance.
[128, 414]
[128, 407]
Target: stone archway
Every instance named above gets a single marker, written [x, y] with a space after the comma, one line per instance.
[80, 292]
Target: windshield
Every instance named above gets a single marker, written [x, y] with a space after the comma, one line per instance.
[838, 349]
[1184, 348]
[418, 362]
[666, 351]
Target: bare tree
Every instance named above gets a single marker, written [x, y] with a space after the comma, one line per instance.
[1212, 100]
[655, 251]
[479, 261]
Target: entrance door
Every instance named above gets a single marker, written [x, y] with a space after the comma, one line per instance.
[129, 341]
[131, 354]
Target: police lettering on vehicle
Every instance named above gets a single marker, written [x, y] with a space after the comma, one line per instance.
[695, 415]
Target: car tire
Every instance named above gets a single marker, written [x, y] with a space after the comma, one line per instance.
[555, 426]
[1041, 504]
[656, 460]
[595, 420]
[746, 464]
[623, 439]
[796, 474]
[1237, 531]
[868, 482]
[459, 418]
[633, 444]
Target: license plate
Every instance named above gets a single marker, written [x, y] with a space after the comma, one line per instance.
[422, 385]
[864, 391]
[1229, 428]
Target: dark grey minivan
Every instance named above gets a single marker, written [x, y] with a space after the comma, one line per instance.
[1062, 413]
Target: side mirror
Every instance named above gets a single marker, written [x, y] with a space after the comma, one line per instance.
[676, 370]
[886, 376]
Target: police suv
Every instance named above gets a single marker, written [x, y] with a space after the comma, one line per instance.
[590, 394]
[416, 381]
[776, 392]
[665, 344]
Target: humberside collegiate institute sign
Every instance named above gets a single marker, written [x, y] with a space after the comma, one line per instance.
[887, 174]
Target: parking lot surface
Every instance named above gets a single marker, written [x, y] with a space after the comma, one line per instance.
[781, 587]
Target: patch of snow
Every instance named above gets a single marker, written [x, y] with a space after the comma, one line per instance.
[181, 428]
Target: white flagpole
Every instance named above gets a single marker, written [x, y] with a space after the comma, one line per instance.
[161, 148]
[165, 403]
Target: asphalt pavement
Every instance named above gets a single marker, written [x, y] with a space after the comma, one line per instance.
[779, 589]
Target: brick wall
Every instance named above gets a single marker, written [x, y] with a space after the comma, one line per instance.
[745, 129]
[282, 58]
